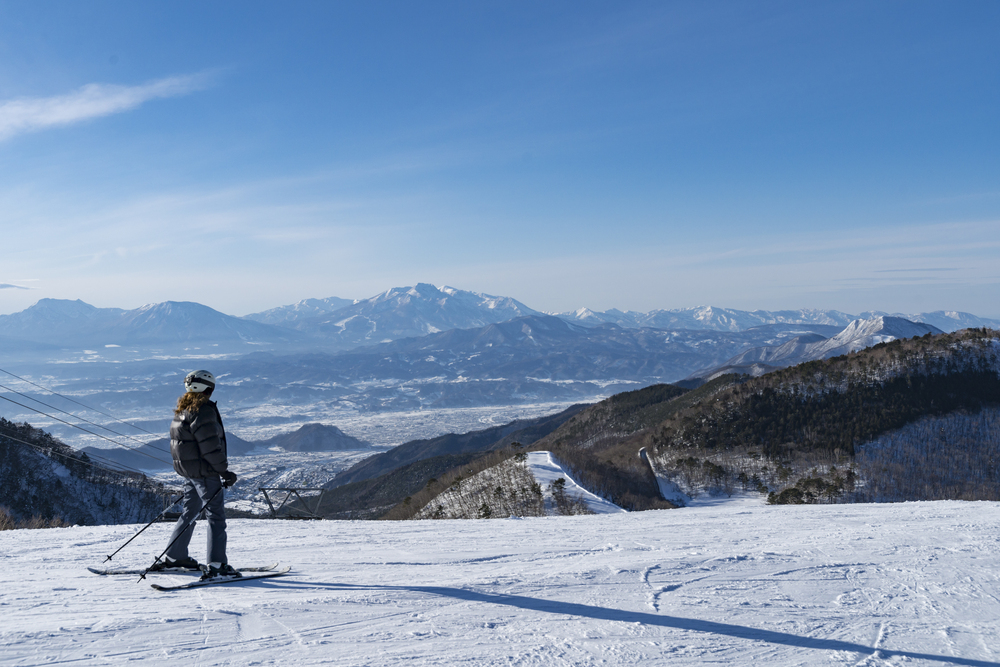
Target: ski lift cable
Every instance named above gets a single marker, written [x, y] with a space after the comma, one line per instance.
[114, 466]
[76, 426]
[138, 428]
[111, 464]
[87, 421]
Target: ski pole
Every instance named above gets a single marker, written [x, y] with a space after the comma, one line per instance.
[179, 533]
[174, 502]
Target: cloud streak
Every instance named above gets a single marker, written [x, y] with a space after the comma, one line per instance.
[94, 100]
[9, 286]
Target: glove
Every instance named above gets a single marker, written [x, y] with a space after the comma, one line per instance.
[228, 479]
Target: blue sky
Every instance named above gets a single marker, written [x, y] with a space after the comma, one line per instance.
[635, 155]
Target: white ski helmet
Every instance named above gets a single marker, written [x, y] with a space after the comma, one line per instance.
[197, 382]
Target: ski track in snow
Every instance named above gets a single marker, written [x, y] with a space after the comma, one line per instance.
[860, 585]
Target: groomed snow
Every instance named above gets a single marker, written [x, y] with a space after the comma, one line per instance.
[912, 584]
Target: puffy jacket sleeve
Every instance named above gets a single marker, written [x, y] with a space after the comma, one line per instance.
[211, 438]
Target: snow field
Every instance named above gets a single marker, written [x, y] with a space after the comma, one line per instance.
[901, 584]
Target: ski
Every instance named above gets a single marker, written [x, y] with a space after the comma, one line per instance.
[224, 580]
[175, 570]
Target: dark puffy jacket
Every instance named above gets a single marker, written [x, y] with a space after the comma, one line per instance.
[198, 442]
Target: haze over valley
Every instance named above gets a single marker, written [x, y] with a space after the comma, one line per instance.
[408, 363]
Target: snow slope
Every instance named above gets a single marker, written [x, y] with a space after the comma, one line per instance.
[545, 469]
[857, 335]
[910, 583]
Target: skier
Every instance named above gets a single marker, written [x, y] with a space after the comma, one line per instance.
[198, 447]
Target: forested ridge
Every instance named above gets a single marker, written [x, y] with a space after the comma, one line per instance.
[836, 404]
[795, 433]
[44, 481]
[873, 425]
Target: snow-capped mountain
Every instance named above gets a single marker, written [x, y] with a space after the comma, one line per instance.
[185, 321]
[860, 334]
[728, 319]
[447, 348]
[949, 320]
[75, 324]
[707, 318]
[531, 359]
[52, 320]
[406, 312]
[857, 335]
[307, 309]
[340, 324]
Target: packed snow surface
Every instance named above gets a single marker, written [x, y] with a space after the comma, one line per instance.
[874, 585]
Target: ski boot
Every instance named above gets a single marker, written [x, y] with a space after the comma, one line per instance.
[213, 570]
[169, 564]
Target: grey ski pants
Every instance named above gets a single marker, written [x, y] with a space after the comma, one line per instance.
[197, 493]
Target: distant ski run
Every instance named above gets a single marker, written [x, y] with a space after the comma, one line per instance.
[223, 580]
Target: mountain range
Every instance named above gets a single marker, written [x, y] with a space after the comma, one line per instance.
[727, 319]
[337, 324]
[168, 325]
[857, 335]
[869, 418]
[400, 312]
[438, 348]
[531, 359]
[290, 316]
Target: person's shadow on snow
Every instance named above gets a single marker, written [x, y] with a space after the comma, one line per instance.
[693, 625]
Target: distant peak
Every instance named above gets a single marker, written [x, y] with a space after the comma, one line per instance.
[49, 303]
[63, 306]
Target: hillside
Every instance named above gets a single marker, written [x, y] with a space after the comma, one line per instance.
[796, 433]
[42, 477]
[584, 432]
[313, 437]
[836, 404]
[155, 454]
[371, 498]
[374, 485]
[857, 335]
[584, 443]
[525, 431]
[870, 425]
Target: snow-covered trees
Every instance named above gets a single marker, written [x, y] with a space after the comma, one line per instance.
[42, 479]
[506, 489]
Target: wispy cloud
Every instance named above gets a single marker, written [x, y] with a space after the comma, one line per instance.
[915, 270]
[94, 100]
[9, 286]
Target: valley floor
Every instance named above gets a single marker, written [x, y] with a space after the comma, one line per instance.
[913, 584]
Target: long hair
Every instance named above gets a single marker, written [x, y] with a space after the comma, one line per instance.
[191, 402]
